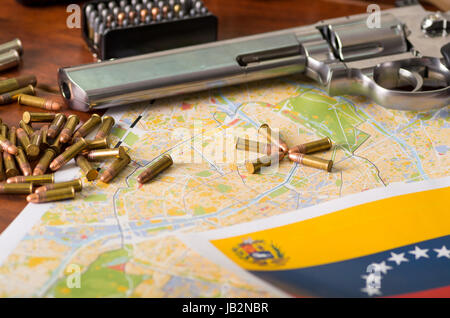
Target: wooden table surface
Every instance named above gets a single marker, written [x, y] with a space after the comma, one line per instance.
[49, 44]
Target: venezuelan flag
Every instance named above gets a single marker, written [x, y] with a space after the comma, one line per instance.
[394, 247]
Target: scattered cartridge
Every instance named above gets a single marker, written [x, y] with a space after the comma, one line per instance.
[76, 184]
[56, 125]
[114, 169]
[255, 146]
[10, 165]
[27, 128]
[67, 131]
[31, 150]
[10, 97]
[7, 146]
[31, 117]
[311, 161]
[2, 169]
[88, 171]
[97, 144]
[52, 195]
[16, 188]
[12, 84]
[36, 140]
[68, 154]
[38, 102]
[102, 154]
[41, 179]
[313, 146]
[105, 127]
[255, 166]
[265, 131]
[22, 160]
[9, 60]
[87, 127]
[155, 168]
[44, 144]
[15, 45]
[44, 162]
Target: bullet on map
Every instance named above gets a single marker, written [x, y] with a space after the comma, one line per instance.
[97, 143]
[12, 84]
[19, 188]
[311, 161]
[52, 195]
[105, 127]
[67, 131]
[155, 168]
[265, 161]
[313, 146]
[44, 162]
[10, 97]
[89, 172]
[114, 169]
[26, 128]
[255, 146]
[76, 184]
[41, 179]
[31, 117]
[102, 154]
[7, 146]
[22, 160]
[87, 127]
[68, 154]
[265, 131]
[30, 149]
[56, 125]
[38, 102]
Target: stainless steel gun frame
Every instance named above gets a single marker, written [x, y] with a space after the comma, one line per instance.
[403, 63]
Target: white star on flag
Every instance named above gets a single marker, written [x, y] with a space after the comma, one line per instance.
[442, 252]
[371, 291]
[382, 267]
[418, 252]
[398, 258]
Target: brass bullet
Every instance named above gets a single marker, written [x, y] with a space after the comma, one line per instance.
[265, 161]
[7, 146]
[2, 170]
[105, 127]
[114, 169]
[45, 144]
[12, 84]
[12, 135]
[44, 162]
[52, 195]
[36, 139]
[102, 154]
[155, 168]
[31, 150]
[56, 146]
[56, 125]
[10, 165]
[32, 117]
[38, 102]
[76, 184]
[97, 143]
[68, 154]
[255, 146]
[67, 131]
[87, 127]
[27, 128]
[265, 131]
[19, 188]
[89, 172]
[22, 160]
[313, 146]
[12, 96]
[15, 44]
[3, 130]
[311, 161]
[41, 179]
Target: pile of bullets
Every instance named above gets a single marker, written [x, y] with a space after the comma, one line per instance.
[22, 88]
[49, 148]
[276, 149]
[104, 16]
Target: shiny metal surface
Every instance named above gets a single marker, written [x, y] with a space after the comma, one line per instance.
[396, 65]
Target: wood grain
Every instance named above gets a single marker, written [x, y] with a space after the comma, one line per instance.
[49, 44]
